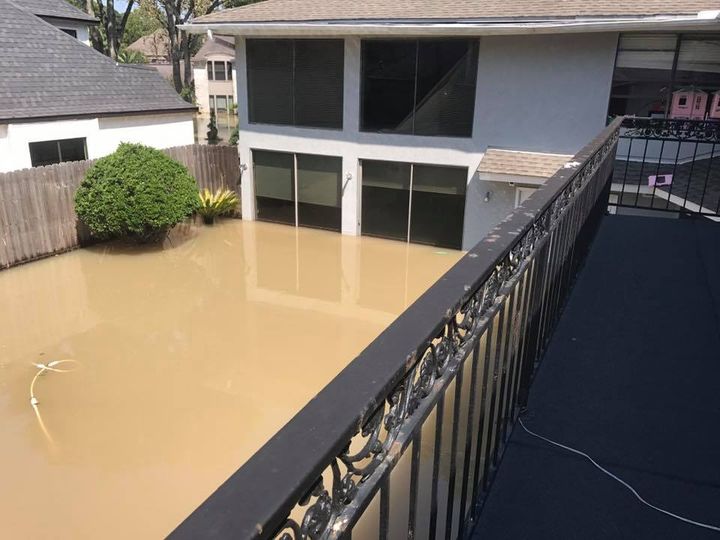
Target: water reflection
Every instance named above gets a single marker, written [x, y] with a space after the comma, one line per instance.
[186, 359]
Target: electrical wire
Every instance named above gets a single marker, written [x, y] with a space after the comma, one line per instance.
[620, 480]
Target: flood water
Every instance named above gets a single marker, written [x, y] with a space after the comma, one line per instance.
[165, 369]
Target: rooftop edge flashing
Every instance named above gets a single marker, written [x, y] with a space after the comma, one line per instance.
[462, 27]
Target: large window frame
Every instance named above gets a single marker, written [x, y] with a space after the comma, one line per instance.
[314, 98]
[307, 210]
[670, 78]
[471, 58]
[62, 150]
[409, 180]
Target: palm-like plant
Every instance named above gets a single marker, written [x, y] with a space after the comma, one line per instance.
[220, 203]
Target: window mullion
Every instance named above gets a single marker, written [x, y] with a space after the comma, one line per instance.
[410, 198]
[415, 87]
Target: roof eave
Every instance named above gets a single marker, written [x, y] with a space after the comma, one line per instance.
[701, 21]
[110, 114]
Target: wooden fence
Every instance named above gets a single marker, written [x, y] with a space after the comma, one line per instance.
[37, 209]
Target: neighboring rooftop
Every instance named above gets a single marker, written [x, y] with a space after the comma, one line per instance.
[515, 163]
[49, 74]
[152, 46]
[447, 10]
[56, 9]
[218, 46]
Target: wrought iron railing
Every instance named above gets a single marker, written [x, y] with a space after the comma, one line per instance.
[405, 441]
[668, 165]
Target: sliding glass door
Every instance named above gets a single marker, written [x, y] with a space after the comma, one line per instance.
[424, 204]
[298, 189]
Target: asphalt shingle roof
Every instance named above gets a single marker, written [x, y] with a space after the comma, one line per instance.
[512, 162]
[47, 73]
[216, 46]
[61, 9]
[450, 10]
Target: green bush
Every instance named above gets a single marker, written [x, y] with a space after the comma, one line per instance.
[234, 136]
[137, 191]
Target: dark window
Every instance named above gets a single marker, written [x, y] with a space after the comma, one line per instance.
[210, 71]
[304, 186]
[438, 206]
[418, 203]
[51, 152]
[296, 82]
[220, 74]
[319, 191]
[385, 199]
[70, 32]
[650, 67]
[274, 186]
[420, 87]
[229, 71]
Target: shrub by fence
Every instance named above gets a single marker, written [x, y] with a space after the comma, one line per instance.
[37, 210]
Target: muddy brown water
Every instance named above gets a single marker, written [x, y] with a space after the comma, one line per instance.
[170, 367]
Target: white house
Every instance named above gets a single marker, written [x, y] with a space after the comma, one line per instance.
[63, 101]
[376, 116]
[214, 76]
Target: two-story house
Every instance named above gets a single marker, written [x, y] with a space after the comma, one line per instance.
[429, 121]
[61, 100]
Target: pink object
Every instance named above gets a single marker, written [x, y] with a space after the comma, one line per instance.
[660, 180]
[715, 106]
[689, 104]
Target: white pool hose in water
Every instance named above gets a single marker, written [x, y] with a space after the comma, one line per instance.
[43, 368]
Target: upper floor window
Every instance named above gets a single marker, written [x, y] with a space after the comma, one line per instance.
[296, 82]
[51, 152]
[70, 32]
[219, 70]
[660, 75]
[419, 87]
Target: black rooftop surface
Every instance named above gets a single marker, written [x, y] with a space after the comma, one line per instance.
[60, 9]
[631, 378]
[47, 73]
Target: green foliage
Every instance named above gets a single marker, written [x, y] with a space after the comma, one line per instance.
[131, 57]
[137, 191]
[188, 93]
[234, 136]
[142, 21]
[220, 203]
[212, 134]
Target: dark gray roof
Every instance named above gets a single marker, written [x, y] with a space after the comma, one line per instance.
[60, 9]
[47, 73]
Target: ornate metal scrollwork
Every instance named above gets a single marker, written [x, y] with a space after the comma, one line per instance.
[323, 507]
[676, 129]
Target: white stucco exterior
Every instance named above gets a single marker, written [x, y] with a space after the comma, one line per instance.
[80, 28]
[103, 135]
[204, 88]
[544, 93]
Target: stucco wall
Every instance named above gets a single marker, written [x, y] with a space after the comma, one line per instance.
[536, 93]
[82, 30]
[103, 135]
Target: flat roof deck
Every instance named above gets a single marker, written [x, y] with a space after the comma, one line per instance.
[631, 377]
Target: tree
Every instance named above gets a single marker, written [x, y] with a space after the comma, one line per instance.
[141, 22]
[172, 14]
[112, 25]
[212, 134]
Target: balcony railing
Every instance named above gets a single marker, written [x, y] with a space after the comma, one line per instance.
[405, 441]
[668, 165]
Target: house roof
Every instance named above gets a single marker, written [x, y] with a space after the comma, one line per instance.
[218, 46]
[155, 44]
[447, 10]
[58, 76]
[517, 163]
[57, 9]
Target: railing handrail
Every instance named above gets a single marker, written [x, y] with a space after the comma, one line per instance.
[679, 129]
[255, 501]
